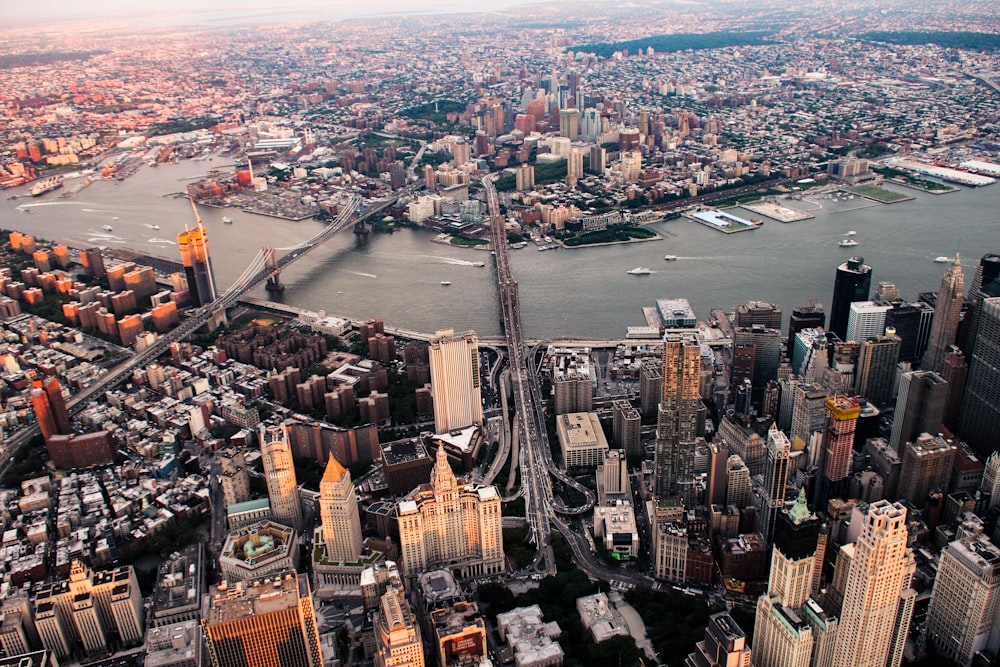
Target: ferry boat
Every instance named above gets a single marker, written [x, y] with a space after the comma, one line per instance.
[670, 258]
[639, 271]
[48, 185]
[227, 220]
[445, 283]
[847, 243]
[942, 259]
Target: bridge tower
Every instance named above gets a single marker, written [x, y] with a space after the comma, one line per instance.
[274, 283]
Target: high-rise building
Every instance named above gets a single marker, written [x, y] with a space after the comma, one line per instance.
[763, 313]
[947, 311]
[193, 245]
[455, 381]
[789, 624]
[262, 623]
[626, 428]
[876, 369]
[725, 645]
[574, 162]
[808, 414]
[804, 317]
[738, 489]
[960, 621]
[920, 405]
[677, 424]
[279, 473]
[887, 291]
[775, 479]
[234, 477]
[444, 524]
[912, 322]
[984, 284]
[955, 372]
[766, 345]
[841, 421]
[398, 640]
[569, 123]
[878, 601]
[339, 515]
[866, 319]
[853, 281]
[980, 417]
[93, 262]
[927, 464]
[524, 177]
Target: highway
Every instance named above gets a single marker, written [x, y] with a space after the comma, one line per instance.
[537, 468]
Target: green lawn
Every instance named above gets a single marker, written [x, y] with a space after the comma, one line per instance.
[879, 194]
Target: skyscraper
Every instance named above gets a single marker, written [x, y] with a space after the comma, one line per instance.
[866, 319]
[853, 282]
[804, 317]
[920, 406]
[955, 372]
[234, 477]
[878, 600]
[446, 524]
[927, 463]
[987, 274]
[965, 599]
[262, 623]
[677, 423]
[841, 421]
[193, 244]
[788, 623]
[980, 420]
[775, 478]
[876, 368]
[725, 644]
[279, 472]
[946, 314]
[398, 640]
[455, 381]
[338, 511]
[569, 123]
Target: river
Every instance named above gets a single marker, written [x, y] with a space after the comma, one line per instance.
[579, 292]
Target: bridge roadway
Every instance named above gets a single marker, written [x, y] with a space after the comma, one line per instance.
[535, 455]
[256, 273]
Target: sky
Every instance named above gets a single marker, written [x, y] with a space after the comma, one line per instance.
[228, 11]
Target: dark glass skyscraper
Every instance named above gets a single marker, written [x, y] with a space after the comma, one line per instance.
[853, 282]
[804, 317]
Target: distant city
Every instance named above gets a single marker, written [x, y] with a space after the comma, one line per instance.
[197, 470]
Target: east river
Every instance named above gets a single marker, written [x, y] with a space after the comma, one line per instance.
[580, 292]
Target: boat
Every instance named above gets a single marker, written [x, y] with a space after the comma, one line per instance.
[639, 271]
[847, 243]
[48, 185]
[851, 233]
[115, 218]
[445, 282]
[108, 228]
[154, 226]
[942, 259]
[227, 220]
[479, 263]
[670, 258]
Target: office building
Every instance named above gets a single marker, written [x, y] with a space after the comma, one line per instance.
[445, 524]
[842, 414]
[961, 617]
[262, 623]
[927, 465]
[87, 609]
[193, 245]
[615, 527]
[980, 416]
[947, 312]
[984, 285]
[768, 315]
[912, 322]
[920, 406]
[804, 317]
[737, 482]
[279, 473]
[766, 344]
[572, 390]
[955, 372]
[455, 380]
[258, 550]
[990, 483]
[724, 645]
[866, 319]
[581, 440]
[878, 601]
[339, 516]
[533, 642]
[779, 449]
[852, 283]
[677, 424]
[785, 629]
[398, 641]
[876, 369]
[612, 479]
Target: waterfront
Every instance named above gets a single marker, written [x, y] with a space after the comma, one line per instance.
[581, 292]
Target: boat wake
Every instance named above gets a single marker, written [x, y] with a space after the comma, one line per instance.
[167, 241]
[106, 239]
[363, 275]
